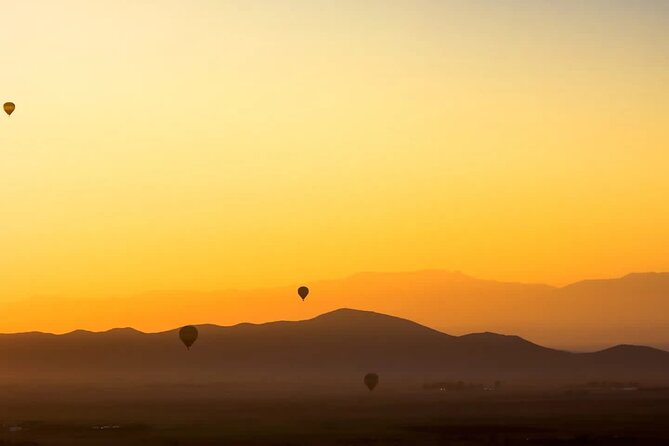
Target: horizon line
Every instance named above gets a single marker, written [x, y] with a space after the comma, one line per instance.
[84, 331]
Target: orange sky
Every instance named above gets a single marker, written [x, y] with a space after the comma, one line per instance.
[209, 145]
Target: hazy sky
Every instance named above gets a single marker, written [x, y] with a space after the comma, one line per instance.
[205, 145]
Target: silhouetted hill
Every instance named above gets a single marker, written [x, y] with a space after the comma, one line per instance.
[334, 347]
[587, 315]
[438, 298]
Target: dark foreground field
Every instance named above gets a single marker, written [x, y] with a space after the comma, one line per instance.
[191, 415]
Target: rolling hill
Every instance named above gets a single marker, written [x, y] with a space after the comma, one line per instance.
[334, 347]
[633, 309]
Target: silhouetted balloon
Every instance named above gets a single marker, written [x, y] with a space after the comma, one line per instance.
[371, 380]
[9, 107]
[188, 335]
[303, 292]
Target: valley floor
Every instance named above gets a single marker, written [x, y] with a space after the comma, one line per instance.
[154, 416]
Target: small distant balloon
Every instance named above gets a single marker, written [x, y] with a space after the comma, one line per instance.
[303, 292]
[188, 335]
[9, 107]
[371, 380]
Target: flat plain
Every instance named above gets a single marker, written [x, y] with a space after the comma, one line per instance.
[226, 414]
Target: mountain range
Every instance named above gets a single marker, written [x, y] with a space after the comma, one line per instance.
[339, 346]
[587, 315]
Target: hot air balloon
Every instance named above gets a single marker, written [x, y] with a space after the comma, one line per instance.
[9, 107]
[303, 292]
[188, 335]
[371, 380]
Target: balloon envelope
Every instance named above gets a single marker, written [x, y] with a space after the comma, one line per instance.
[188, 335]
[303, 292]
[9, 107]
[371, 380]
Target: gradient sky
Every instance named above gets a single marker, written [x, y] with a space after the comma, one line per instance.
[204, 145]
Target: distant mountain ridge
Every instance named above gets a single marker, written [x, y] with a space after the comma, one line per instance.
[333, 347]
[586, 315]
